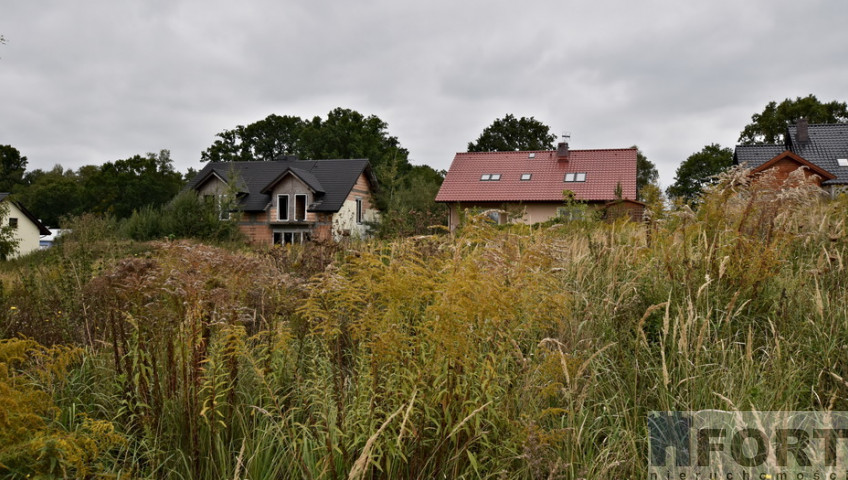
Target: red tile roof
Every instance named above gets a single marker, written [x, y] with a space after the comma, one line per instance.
[604, 170]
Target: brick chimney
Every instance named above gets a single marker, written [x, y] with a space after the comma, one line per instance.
[562, 152]
[802, 134]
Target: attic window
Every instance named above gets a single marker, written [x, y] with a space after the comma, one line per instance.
[496, 177]
[532, 155]
[526, 176]
[490, 177]
[842, 162]
[575, 177]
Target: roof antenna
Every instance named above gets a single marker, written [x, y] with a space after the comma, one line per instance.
[566, 136]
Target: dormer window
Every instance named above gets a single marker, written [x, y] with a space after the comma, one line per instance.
[283, 208]
[526, 176]
[842, 162]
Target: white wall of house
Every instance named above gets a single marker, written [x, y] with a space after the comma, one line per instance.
[27, 232]
[344, 221]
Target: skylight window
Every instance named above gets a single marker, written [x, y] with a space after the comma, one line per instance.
[532, 155]
[496, 177]
[842, 162]
[485, 177]
[569, 177]
[575, 177]
[526, 176]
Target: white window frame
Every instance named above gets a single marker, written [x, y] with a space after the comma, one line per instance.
[280, 217]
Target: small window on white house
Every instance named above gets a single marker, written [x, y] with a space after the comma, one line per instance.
[283, 208]
[358, 210]
[526, 176]
[580, 177]
[485, 177]
[13, 223]
[842, 162]
[569, 177]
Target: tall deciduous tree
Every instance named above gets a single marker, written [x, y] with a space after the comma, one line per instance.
[262, 140]
[646, 173]
[698, 170]
[12, 168]
[122, 186]
[769, 126]
[51, 195]
[510, 133]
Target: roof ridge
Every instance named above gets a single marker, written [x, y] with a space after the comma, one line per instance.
[554, 151]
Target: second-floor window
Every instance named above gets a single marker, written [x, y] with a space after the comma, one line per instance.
[299, 208]
[13, 223]
[283, 208]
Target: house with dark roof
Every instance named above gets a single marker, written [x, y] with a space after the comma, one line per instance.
[293, 201]
[530, 184]
[28, 230]
[820, 150]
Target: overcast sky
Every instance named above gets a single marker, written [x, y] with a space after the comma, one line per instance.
[91, 81]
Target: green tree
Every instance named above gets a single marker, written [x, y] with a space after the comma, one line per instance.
[12, 168]
[122, 186]
[51, 195]
[262, 140]
[646, 173]
[510, 134]
[698, 170]
[769, 126]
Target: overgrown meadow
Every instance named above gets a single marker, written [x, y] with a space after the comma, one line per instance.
[498, 352]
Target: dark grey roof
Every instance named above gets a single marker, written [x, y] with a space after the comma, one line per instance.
[42, 230]
[331, 180]
[828, 141]
[752, 156]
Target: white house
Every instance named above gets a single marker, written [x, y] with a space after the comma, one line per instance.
[28, 229]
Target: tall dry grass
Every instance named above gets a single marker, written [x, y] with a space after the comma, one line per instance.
[511, 352]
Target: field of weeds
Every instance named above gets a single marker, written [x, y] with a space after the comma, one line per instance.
[517, 352]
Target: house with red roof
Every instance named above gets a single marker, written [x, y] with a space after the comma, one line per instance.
[530, 185]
